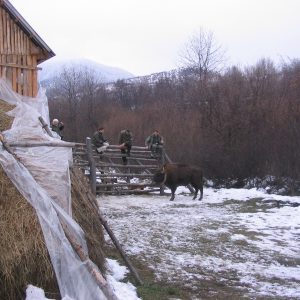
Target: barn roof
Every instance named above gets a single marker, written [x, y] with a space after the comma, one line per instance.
[36, 39]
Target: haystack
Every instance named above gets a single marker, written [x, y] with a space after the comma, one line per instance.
[24, 256]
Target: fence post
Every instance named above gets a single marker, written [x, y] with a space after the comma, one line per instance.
[91, 164]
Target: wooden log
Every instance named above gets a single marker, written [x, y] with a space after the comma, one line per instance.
[116, 150]
[85, 193]
[79, 153]
[106, 165]
[112, 175]
[34, 77]
[128, 158]
[45, 126]
[17, 66]
[42, 144]
[1, 33]
[92, 165]
[81, 164]
[132, 148]
[123, 191]
[131, 151]
[108, 155]
[96, 274]
[125, 184]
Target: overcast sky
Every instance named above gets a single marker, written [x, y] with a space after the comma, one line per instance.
[145, 36]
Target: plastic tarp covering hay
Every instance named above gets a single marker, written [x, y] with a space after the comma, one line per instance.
[43, 179]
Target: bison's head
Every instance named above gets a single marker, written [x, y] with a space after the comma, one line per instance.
[159, 177]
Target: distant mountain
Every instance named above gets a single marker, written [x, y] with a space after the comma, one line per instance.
[54, 66]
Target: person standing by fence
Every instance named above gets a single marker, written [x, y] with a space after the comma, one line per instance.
[125, 144]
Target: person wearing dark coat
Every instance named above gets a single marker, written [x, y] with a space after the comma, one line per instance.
[99, 141]
[57, 127]
[155, 143]
[125, 144]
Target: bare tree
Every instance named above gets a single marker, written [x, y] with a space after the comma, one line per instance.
[202, 55]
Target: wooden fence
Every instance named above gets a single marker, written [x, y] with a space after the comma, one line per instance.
[108, 174]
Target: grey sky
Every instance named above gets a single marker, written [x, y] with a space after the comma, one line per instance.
[145, 36]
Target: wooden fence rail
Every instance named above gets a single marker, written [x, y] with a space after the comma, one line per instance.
[109, 175]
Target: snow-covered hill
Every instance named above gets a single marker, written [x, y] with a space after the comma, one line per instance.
[54, 66]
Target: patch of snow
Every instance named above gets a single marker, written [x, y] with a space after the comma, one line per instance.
[237, 237]
[116, 273]
[35, 293]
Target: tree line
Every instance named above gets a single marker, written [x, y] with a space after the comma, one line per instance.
[234, 122]
[237, 123]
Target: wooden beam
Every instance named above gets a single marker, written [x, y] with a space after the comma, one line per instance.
[45, 126]
[14, 65]
[89, 196]
[132, 148]
[125, 184]
[113, 175]
[91, 164]
[120, 192]
[126, 166]
[96, 274]
[43, 144]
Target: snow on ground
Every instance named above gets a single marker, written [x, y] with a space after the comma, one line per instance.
[234, 241]
[115, 273]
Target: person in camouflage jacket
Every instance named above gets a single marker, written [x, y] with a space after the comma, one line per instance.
[125, 144]
[155, 143]
[99, 141]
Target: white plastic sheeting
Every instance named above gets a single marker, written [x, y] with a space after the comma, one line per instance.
[43, 179]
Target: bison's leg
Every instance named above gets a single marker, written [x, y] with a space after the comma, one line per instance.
[201, 192]
[196, 192]
[173, 190]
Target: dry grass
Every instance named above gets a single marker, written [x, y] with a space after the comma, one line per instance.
[24, 257]
[5, 120]
[85, 214]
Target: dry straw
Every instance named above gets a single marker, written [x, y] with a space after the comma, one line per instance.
[24, 257]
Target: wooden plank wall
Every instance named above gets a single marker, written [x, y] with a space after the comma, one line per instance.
[17, 63]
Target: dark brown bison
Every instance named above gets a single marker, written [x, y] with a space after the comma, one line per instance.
[174, 175]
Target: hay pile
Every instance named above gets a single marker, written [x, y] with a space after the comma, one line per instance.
[5, 120]
[24, 257]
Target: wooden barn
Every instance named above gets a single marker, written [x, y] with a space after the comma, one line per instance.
[21, 51]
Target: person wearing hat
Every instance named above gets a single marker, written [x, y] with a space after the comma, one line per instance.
[57, 127]
[99, 141]
[125, 144]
